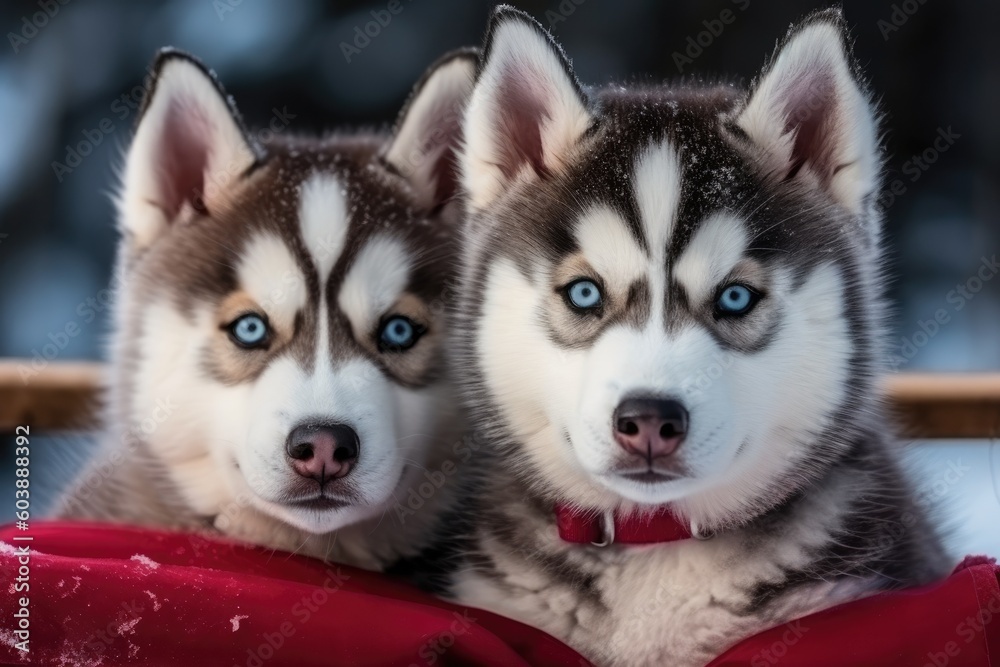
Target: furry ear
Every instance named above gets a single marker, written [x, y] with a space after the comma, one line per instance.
[527, 110]
[811, 117]
[189, 144]
[429, 129]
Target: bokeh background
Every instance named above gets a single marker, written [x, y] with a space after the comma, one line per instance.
[71, 74]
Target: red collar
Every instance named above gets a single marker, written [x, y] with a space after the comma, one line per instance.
[580, 526]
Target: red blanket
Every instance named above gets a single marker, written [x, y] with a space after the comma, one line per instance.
[102, 595]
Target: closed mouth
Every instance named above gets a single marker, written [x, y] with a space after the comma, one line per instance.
[649, 476]
[319, 503]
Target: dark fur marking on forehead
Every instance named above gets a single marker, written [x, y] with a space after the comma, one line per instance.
[604, 173]
[303, 345]
[379, 204]
[201, 255]
[638, 304]
[676, 308]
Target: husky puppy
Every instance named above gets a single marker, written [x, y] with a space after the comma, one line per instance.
[276, 370]
[671, 339]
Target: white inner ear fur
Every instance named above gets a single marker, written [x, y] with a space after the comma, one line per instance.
[811, 75]
[378, 276]
[181, 88]
[521, 58]
[431, 124]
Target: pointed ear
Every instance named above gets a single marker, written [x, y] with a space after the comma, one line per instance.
[811, 117]
[527, 110]
[189, 144]
[429, 129]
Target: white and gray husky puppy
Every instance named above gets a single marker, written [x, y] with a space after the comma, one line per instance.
[671, 331]
[277, 365]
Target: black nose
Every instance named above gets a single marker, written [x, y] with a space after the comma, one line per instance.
[650, 427]
[322, 451]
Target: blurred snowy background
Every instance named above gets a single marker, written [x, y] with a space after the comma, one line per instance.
[71, 74]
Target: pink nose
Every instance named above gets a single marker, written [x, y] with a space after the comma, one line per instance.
[322, 451]
[650, 427]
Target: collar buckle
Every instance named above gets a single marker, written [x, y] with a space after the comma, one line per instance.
[607, 530]
[699, 533]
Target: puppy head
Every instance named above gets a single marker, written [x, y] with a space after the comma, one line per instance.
[670, 295]
[285, 298]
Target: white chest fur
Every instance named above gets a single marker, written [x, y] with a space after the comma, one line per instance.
[679, 604]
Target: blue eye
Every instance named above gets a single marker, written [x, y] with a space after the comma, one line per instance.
[398, 333]
[735, 300]
[584, 294]
[249, 331]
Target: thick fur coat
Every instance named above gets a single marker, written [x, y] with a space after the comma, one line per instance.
[706, 247]
[279, 298]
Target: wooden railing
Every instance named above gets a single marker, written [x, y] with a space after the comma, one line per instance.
[65, 396]
[59, 397]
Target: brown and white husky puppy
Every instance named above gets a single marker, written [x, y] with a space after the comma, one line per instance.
[277, 356]
[671, 339]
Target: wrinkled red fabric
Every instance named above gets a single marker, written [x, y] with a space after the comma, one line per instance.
[111, 595]
[953, 623]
